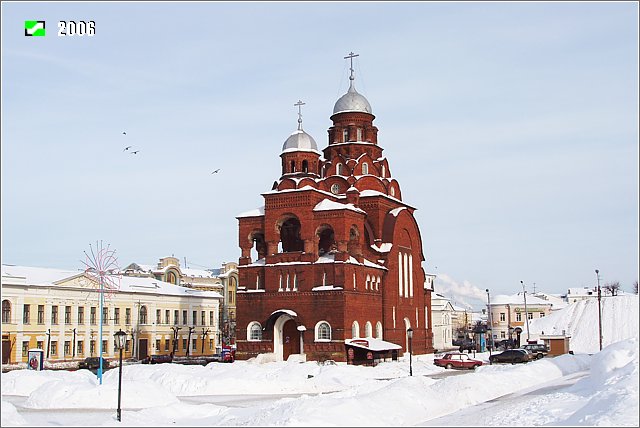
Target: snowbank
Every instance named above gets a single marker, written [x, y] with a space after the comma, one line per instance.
[580, 321]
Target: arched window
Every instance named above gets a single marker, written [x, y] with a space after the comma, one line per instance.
[6, 312]
[172, 278]
[287, 287]
[339, 169]
[293, 166]
[254, 331]
[323, 331]
[355, 330]
[384, 171]
[290, 235]
[345, 135]
[257, 282]
[143, 314]
[324, 278]
[393, 192]
[378, 284]
[365, 168]
[305, 166]
[359, 133]
[295, 282]
[280, 283]
[366, 284]
[368, 330]
[379, 330]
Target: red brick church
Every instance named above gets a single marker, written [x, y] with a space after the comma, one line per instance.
[337, 254]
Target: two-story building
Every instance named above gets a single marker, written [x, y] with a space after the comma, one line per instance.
[59, 311]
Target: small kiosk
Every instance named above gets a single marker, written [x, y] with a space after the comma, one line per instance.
[557, 344]
[35, 359]
[370, 351]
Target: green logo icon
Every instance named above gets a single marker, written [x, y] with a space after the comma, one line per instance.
[34, 28]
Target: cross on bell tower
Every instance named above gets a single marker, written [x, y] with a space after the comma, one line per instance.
[351, 56]
[299, 104]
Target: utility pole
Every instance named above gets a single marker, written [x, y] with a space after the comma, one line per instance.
[526, 311]
[599, 310]
[490, 327]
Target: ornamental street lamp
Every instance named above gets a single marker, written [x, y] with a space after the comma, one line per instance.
[120, 340]
[410, 336]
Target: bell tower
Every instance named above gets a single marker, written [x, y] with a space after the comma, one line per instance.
[300, 155]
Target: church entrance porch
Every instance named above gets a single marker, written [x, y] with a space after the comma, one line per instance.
[287, 336]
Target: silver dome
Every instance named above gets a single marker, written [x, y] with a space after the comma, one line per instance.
[300, 141]
[352, 101]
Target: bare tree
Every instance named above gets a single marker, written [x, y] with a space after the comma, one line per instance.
[635, 287]
[613, 287]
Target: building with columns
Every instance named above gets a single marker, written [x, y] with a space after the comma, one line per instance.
[58, 311]
[337, 251]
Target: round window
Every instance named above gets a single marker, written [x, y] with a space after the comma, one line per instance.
[335, 189]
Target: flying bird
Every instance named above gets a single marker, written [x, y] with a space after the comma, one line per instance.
[124, 133]
[216, 171]
[135, 153]
[127, 148]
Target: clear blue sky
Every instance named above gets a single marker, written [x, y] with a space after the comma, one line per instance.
[512, 128]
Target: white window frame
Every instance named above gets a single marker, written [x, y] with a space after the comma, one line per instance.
[368, 329]
[355, 328]
[250, 327]
[317, 331]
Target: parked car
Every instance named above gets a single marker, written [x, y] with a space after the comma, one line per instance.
[537, 349]
[92, 363]
[457, 360]
[467, 345]
[158, 359]
[510, 356]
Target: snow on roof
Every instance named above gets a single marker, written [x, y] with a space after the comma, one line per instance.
[518, 299]
[329, 205]
[384, 247]
[394, 212]
[37, 275]
[201, 273]
[372, 344]
[326, 288]
[253, 213]
[286, 311]
[129, 284]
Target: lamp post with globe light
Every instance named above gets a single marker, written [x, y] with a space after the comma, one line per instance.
[120, 339]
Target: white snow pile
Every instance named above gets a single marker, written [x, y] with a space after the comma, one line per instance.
[580, 321]
[612, 388]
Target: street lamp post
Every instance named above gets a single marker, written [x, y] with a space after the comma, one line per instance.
[120, 342]
[489, 329]
[410, 336]
[511, 337]
[599, 310]
[526, 311]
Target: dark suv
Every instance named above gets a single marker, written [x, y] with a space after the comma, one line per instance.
[536, 349]
[92, 363]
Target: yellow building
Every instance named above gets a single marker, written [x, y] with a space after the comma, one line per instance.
[223, 280]
[58, 311]
[509, 317]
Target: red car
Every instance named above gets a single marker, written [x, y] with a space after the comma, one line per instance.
[457, 360]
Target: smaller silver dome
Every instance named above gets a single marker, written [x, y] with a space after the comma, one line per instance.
[352, 101]
[300, 141]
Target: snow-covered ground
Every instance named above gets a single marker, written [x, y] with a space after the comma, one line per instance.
[331, 395]
[579, 389]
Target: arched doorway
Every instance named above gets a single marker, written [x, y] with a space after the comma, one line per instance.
[287, 338]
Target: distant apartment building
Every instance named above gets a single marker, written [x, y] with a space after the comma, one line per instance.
[59, 311]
